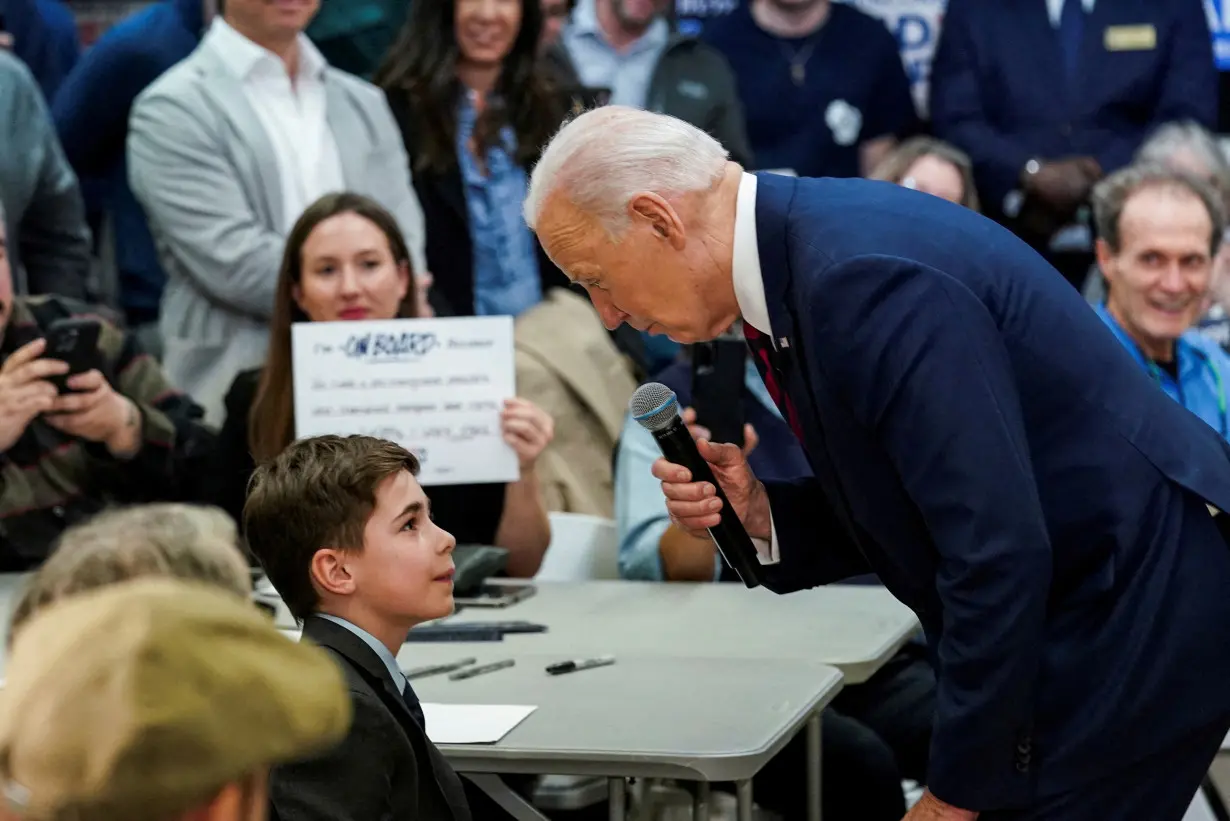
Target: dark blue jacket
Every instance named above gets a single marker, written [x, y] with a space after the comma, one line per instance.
[777, 455]
[45, 38]
[999, 90]
[983, 443]
[91, 116]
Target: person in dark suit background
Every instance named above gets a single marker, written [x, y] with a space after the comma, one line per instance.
[475, 106]
[388, 567]
[1047, 97]
[977, 438]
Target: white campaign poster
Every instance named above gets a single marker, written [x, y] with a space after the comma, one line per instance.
[916, 25]
[434, 386]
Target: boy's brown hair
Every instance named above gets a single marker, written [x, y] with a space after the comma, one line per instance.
[175, 540]
[318, 492]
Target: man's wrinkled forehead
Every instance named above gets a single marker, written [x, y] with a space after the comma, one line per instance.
[567, 235]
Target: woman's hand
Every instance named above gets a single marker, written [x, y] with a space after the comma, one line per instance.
[528, 429]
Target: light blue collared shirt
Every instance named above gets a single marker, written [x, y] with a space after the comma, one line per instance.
[629, 73]
[640, 508]
[506, 276]
[390, 661]
[1203, 370]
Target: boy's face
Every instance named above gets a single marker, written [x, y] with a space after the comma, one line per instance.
[405, 569]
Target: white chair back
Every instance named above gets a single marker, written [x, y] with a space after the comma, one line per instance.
[583, 548]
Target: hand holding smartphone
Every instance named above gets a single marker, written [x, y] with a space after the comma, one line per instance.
[74, 342]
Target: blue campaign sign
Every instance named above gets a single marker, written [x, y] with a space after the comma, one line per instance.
[1218, 12]
[916, 24]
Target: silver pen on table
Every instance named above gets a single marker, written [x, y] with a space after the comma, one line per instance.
[437, 669]
[471, 672]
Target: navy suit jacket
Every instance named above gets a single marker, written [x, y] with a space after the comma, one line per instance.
[988, 448]
[999, 90]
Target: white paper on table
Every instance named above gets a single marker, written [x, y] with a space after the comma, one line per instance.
[434, 386]
[472, 723]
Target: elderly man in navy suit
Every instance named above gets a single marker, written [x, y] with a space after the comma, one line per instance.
[978, 438]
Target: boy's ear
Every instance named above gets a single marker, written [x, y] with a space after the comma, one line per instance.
[330, 572]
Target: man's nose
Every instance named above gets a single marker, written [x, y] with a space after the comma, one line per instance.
[612, 317]
[1174, 280]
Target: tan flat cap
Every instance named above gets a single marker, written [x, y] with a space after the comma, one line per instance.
[145, 698]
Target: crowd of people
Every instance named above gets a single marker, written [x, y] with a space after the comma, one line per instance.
[209, 173]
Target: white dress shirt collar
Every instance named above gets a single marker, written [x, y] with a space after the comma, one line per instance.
[243, 57]
[386, 656]
[745, 262]
[1054, 8]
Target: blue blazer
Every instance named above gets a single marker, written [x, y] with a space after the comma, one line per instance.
[988, 448]
[999, 90]
[91, 114]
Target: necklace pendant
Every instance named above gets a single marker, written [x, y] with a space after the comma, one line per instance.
[798, 73]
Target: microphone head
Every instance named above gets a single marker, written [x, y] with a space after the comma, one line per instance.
[654, 406]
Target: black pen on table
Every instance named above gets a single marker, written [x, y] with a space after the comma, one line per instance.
[471, 672]
[437, 669]
[579, 664]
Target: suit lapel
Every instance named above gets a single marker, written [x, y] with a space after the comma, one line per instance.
[355, 650]
[228, 96]
[348, 132]
[774, 195]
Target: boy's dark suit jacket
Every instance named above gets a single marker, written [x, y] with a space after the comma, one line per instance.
[982, 442]
[386, 768]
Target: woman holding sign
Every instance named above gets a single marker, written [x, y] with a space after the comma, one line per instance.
[346, 260]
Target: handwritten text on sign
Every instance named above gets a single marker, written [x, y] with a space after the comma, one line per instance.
[434, 386]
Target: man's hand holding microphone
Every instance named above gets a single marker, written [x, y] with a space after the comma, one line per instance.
[695, 506]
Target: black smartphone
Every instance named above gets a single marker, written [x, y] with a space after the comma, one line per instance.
[74, 341]
[718, 368]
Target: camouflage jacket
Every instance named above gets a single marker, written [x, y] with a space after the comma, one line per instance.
[49, 480]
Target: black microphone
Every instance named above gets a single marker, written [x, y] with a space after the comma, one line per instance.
[656, 408]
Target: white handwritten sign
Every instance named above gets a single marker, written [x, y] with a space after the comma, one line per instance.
[434, 386]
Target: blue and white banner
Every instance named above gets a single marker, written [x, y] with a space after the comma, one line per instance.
[916, 25]
[1218, 12]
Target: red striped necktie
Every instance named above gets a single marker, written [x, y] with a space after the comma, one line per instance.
[766, 357]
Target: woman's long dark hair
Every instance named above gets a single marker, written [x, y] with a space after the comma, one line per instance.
[271, 422]
[423, 66]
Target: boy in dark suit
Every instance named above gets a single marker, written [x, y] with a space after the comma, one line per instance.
[344, 532]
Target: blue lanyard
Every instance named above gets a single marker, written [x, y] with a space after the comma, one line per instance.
[1156, 373]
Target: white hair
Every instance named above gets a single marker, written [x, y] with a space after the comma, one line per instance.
[1188, 137]
[603, 158]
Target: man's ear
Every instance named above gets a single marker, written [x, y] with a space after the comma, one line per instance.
[330, 572]
[659, 215]
[1106, 260]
